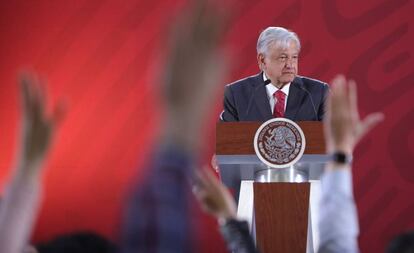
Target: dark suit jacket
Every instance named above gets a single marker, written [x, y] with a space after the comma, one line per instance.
[246, 100]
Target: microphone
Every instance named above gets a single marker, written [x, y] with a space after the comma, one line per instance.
[268, 81]
[311, 99]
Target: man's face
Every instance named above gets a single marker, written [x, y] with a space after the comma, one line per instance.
[280, 64]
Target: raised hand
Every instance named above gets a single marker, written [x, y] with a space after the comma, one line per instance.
[37, 129]
[195, 67]
[343, 126]
[213, 196]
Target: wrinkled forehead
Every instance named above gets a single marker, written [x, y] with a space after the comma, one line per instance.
[277, 48]
[284, 45]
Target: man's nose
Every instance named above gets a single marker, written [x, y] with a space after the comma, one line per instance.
[289, 63]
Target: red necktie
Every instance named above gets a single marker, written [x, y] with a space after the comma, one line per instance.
[279, 109]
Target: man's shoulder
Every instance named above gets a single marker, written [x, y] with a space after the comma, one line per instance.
[307, 81]
[249, 81]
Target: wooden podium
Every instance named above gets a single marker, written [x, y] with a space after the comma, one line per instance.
[280, 214]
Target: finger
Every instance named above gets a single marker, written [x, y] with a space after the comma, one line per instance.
[199, 179]
[41, 95]
[328, 109]
[197, 14]
[370, 122]
[338, 92]
[353, 100]
[338, 81]
[198, 191]
[327, 120]
[32, 87]
[214, 163]
[211, 178]
[35, 96]
[206, 24]
[25, 92]
[59, 113]
[203, 180]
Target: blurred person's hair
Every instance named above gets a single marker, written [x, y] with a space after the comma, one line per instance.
[81, 242]
[403, 243]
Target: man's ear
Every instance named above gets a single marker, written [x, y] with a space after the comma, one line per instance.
[260, 61]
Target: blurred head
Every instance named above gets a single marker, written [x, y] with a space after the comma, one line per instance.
[403, 243]
[30, 249]
[277, 54]
[83, 242]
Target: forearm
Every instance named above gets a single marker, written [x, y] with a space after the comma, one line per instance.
[338, 225]
[237, 236]
[229, 109]
[18, 211]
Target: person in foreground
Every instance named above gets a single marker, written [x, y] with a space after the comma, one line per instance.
[402, 243]
[278, 90]
[158, 213]
[343, 128]
[77, 242]
[19, 206]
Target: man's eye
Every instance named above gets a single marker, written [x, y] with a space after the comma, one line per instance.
[282, 58]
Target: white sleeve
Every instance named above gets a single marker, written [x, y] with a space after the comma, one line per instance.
[338, 222]
[18, 211]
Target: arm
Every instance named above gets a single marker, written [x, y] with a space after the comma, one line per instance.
[19, 207]
[338, 226]
[216, 200]
[158, 216]
[230, 112]
[237, 236]
[343, 129]
[18, 211]
[324, 98]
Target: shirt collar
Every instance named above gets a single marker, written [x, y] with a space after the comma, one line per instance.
[271, 89]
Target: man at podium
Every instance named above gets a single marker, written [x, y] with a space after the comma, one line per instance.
[277, 91]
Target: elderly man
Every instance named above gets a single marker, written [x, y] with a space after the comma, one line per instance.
[277, 91]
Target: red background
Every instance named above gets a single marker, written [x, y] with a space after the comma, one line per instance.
[100, 56]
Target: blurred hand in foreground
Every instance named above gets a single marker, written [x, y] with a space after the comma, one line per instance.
[22, 199]
[343, 126]
[213, 196]
[37, 129]
[194, 70]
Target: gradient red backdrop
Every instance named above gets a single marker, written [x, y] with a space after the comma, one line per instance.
[100, 55]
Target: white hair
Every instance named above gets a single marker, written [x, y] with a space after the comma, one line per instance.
[276, 35]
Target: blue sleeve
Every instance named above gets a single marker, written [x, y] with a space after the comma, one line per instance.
[157, 218]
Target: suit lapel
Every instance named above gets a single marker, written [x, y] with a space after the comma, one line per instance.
[260, 98]
[296, 95]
